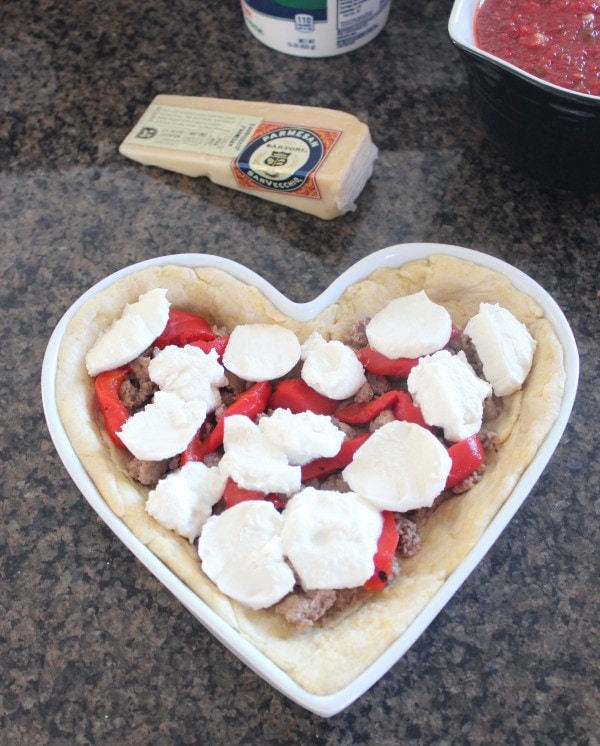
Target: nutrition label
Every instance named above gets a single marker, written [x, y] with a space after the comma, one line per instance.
[357, 19]
[209, 132]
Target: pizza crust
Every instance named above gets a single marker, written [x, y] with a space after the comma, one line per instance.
[325, 659]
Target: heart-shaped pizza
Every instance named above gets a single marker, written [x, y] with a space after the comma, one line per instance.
[313, 481]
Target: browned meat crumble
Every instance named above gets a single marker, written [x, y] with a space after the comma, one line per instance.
[138, 389]
[410, 541]
[149, 473]
[304, 609]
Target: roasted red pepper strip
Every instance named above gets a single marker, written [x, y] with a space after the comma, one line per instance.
[193, 452]
[108, 386]
[405, 409]
[278, 503]
[381, 365]
[323, 467]
[251, 403]
[359, 413]
[467, 456]
[235, 494]
[297, 396]
[182, 328]
[383, 558]
[217, 343]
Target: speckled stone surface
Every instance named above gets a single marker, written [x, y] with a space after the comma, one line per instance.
[93, 649]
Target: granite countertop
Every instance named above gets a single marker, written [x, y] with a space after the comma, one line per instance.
[93, 649]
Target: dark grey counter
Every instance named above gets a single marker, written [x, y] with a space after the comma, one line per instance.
[94, 651]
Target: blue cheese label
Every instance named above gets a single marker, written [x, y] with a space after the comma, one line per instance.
[284, 159]
[207, 132]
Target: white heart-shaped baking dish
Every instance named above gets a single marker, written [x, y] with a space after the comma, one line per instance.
[392, 256]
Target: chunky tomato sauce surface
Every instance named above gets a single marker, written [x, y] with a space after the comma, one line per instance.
[555, 40]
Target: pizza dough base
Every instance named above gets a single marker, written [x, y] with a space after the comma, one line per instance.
[325, 659]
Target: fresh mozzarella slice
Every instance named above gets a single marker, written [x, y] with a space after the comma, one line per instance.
[241, 551]
[401, 467]
[261, 352]
[140, 324]
[410, 326]
[254, 461]
[449, 394]
[330, 538]
[303, 436]
[190, 373]
[163, 428]
[504, 346]
[183, 500]
[331, 368]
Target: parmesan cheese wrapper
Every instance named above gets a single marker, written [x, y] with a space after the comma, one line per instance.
[312, 159]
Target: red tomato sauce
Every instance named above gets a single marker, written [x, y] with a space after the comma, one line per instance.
[555, 40]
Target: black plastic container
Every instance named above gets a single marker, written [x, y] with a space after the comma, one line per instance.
[547, 131]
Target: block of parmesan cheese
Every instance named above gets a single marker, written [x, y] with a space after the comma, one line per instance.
[308, 158]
